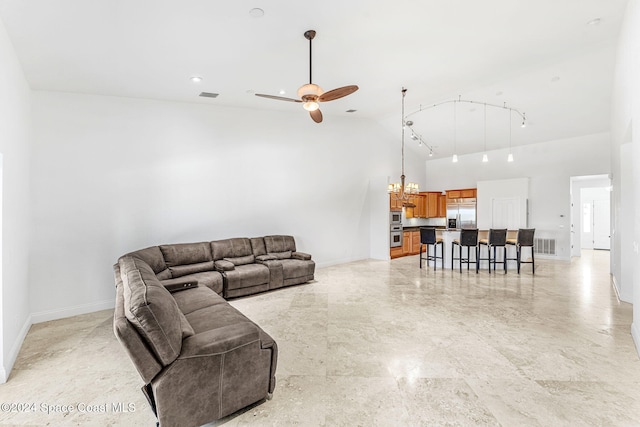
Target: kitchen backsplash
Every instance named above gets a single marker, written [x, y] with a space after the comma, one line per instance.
[418, 222]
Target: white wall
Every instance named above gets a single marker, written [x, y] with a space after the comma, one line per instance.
[625, 142]
[14, 153]
[548, 165]
[112, 175]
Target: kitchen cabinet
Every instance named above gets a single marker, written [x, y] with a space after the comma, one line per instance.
[432, 205]
[396, 252]
[410, 245]
[415, 242]
[461, 194]
[442, 206]
[420, 208]
[394, 203]
[406, 242]
[468, 193]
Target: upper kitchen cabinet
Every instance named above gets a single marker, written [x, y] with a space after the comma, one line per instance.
[432, 205]
[394, 203]
[466, 193]
[426, 206]
[416, 211]
[442, 206]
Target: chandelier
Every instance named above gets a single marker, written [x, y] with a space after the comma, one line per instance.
[400, 190]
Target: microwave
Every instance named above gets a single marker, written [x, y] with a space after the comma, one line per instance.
[395, 217]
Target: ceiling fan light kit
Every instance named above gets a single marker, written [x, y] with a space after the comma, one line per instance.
[311, 94]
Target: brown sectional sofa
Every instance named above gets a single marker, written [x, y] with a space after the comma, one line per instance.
[200, 358]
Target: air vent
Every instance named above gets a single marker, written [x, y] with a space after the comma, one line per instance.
[544, 246]
[351, 111]
[209, 95]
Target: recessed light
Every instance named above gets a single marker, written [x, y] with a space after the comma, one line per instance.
[282, 92]
[595, 21]
[256, 12]
[196, 79]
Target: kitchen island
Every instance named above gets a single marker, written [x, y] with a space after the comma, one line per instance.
[448, 235]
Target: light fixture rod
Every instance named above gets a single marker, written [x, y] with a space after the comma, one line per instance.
[504, 107]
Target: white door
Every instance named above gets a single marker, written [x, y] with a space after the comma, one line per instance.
[586, 238]
[601, 224]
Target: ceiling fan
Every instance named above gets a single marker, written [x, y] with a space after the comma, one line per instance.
[311, 94]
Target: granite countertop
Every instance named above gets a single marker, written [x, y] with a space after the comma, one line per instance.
[417, 228]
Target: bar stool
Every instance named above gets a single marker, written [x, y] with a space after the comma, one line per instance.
[524, 240]
[428, 237]
[468, 239]
[497, 238]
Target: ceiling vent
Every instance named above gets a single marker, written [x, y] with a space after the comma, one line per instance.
[351, 111]
[209, 95]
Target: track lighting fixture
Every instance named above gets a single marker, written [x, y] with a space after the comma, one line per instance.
[485, 156]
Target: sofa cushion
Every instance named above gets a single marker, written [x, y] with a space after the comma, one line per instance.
[242, 260]
[197, 299]
[246, 276]
[183, 270]
[151, 309]
[186, 253]
[279, 244]
[231, 248]
[187, 258]
[297, 268]
[153, 257]
[257, 246]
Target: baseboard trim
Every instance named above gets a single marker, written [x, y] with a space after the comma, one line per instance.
[45, 316]
[635, 334]
[616, 288]
[15, 350]
[339, 261]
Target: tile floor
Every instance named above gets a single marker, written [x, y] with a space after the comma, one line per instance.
[375, 343]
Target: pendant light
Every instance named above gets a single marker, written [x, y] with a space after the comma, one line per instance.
[400, 190]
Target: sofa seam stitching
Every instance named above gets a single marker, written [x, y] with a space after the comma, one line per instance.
[222, 353]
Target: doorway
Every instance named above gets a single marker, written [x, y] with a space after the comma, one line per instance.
[590, 213]
[596, 218]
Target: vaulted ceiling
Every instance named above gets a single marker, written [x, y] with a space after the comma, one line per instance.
[551, 59]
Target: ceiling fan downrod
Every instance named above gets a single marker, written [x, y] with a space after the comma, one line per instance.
[309, 35]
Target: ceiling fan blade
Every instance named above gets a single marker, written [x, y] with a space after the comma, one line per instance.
[279, 98]
[316, 115]
[337, 93]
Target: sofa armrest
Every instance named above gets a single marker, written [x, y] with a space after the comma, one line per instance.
[219, 340]
[301, 255]
[261, 258]
[223, 265]
[181, 285]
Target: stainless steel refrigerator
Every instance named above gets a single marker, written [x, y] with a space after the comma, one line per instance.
[461, 213]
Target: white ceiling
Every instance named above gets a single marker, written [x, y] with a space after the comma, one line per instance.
[492, 51]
